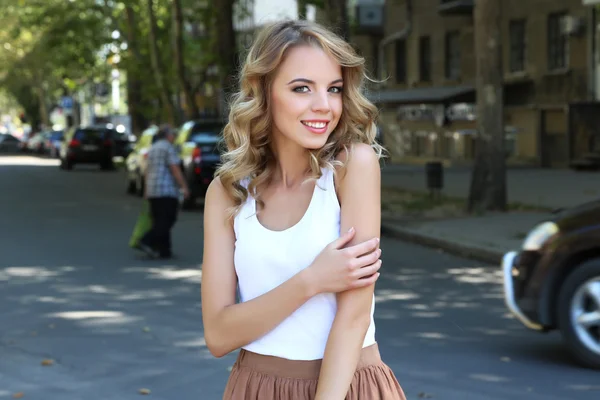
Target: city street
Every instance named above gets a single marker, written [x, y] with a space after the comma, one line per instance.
[112, 323]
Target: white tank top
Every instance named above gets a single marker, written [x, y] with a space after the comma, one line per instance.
[264, 259]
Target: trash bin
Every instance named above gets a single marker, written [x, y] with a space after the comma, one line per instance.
[435, 175]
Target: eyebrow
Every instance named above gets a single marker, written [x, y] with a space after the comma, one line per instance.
[304, 80]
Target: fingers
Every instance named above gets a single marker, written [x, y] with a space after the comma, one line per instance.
[344, 239]
[363, 248]
[369, 270]
[366, 259]
[367, 281]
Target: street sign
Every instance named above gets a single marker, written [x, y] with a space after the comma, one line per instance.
[66, 102]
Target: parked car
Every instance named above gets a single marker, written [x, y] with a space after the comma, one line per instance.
[91, 145]
[9, 144]
[53, 143]
[198, 144]
[553, 281]
[37, 143]
[135, 162]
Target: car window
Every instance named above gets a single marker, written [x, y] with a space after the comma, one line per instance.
[8, 138]
[81, 134]
[206, 133]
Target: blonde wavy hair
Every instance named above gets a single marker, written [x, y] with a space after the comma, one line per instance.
[247, 135]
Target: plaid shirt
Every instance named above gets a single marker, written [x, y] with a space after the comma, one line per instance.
[159, 179]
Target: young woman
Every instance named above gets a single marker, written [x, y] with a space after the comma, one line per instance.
[293, 218]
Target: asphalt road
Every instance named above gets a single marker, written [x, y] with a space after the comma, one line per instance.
[72, 291]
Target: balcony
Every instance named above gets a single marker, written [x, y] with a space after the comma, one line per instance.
[456, 7]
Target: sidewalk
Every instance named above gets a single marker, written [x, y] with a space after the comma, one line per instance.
[487, 237]
[484, 238]
[547, 188]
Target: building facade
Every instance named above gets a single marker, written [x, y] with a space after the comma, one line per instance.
[424, 50]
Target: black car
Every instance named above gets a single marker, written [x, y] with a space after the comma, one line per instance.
[199, 146]
[92, 145]
[553, 281]
[9, 144]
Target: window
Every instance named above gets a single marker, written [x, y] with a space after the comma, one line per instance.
[425, 59]
[400, 61]
[517, 45]
[557, 42]
[452, 55]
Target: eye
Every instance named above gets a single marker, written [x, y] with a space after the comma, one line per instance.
[336, 89]
[301, 89]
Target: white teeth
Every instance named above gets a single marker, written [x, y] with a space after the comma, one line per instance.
[316, 125]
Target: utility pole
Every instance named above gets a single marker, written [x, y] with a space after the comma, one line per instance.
[488, 182]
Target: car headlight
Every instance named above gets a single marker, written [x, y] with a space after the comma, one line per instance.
[539, 235]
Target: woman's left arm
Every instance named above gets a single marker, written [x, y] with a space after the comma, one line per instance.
[359, 191]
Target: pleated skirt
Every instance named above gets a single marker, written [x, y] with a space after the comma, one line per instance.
[259, 377]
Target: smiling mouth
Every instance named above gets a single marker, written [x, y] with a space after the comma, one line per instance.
[315, 125]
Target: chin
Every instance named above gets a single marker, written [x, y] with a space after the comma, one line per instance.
[315, 143]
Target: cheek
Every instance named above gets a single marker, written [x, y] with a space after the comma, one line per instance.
[337, 107]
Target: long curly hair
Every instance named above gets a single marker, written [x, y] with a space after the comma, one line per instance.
[247, 135]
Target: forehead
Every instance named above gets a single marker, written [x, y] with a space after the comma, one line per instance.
[309, 62]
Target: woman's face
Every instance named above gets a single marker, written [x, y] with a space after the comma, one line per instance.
[306, 97]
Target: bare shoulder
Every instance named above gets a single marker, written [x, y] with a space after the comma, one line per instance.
[361, 164]
[217, 195]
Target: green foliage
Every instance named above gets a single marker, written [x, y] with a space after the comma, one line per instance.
[52, 47]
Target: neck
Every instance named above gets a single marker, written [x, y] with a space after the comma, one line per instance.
[292, 163]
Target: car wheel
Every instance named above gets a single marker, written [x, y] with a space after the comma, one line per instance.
[579, 313]
[107, 166]
[69, 165]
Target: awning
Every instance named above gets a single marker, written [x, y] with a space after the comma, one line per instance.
[425, 95]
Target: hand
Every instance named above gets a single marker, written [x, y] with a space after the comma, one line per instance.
[186, 193]
[337, 269]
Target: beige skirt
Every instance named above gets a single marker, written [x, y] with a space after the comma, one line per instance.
[259, 377]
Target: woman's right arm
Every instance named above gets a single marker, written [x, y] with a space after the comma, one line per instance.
[229, 326]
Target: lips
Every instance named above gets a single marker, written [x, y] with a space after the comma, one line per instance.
[316, 126]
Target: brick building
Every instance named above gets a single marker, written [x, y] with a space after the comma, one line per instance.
[425, 49]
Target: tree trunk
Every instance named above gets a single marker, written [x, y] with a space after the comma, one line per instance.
[44, 117]
[302, 8]
[191, 106]
[134, 83]
[336, 12]
[226, 47]
[165, 96]
[488, 182]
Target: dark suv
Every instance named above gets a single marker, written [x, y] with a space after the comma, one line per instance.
[92, 145]
[198, 144]
[553, 281]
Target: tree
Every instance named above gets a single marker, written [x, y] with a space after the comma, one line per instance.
[157, 65]
[488, 182]
[336, 12]
[226, 47]
[49, 48]
[184, 83]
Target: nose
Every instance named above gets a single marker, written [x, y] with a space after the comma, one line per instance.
[321, 102]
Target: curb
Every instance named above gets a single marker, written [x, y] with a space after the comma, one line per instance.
[463, 250]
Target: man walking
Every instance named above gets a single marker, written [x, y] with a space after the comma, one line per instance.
[163, 180]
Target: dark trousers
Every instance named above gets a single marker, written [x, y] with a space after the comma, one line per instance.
[164, 215]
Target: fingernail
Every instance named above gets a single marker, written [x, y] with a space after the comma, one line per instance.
[377, 239]
[351, 230]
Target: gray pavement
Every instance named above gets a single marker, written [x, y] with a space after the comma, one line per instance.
[70, 290]
[485, 237]
[548, 188]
